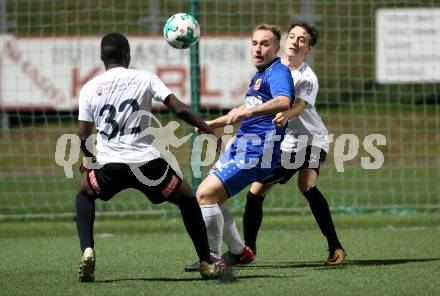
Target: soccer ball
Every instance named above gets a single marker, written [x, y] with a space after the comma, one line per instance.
[181, 30]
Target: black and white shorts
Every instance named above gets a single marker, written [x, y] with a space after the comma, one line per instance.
[158, 180]
[312, 159]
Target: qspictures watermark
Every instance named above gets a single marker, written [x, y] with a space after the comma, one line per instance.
[346, 148]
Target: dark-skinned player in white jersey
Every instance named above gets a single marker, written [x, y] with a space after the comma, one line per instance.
[118, 104]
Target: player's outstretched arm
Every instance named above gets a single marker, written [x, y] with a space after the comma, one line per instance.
[185, 113]
[218, 122]
[277, 104]
[297, 107]
[222, 120]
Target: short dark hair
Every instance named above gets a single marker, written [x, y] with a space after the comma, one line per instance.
[114, 46]
[272, 28]
[312, 31]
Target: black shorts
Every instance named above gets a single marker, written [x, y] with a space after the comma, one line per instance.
[114, 177]
[311, 161]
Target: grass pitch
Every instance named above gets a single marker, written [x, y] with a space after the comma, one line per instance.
[147, 257]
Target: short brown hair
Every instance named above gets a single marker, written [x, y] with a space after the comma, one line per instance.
[312, 31]
[273, 28]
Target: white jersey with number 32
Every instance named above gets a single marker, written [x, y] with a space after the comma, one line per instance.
[308, 123]
[119, 103]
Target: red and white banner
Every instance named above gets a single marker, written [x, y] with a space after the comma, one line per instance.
[48, 72]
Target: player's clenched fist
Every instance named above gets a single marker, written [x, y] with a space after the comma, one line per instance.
[280, 119]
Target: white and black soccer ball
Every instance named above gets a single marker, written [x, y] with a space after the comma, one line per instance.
[181, 30]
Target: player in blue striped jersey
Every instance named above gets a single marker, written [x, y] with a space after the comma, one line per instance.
[255, 152]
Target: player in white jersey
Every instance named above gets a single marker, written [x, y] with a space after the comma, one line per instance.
[305, 146]
[117, 103]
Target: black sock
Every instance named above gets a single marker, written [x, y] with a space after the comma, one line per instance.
[321, 212]
[85, 217]
[252, 218]
[195, 226]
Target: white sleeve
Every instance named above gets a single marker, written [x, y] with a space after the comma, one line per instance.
[306, 89]
[85, 112]
[158, 89]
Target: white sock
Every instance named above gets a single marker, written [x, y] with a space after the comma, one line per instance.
[214, 228]
[230, 232]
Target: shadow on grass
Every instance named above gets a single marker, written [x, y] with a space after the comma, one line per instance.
[165, 279]
[347, 263]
